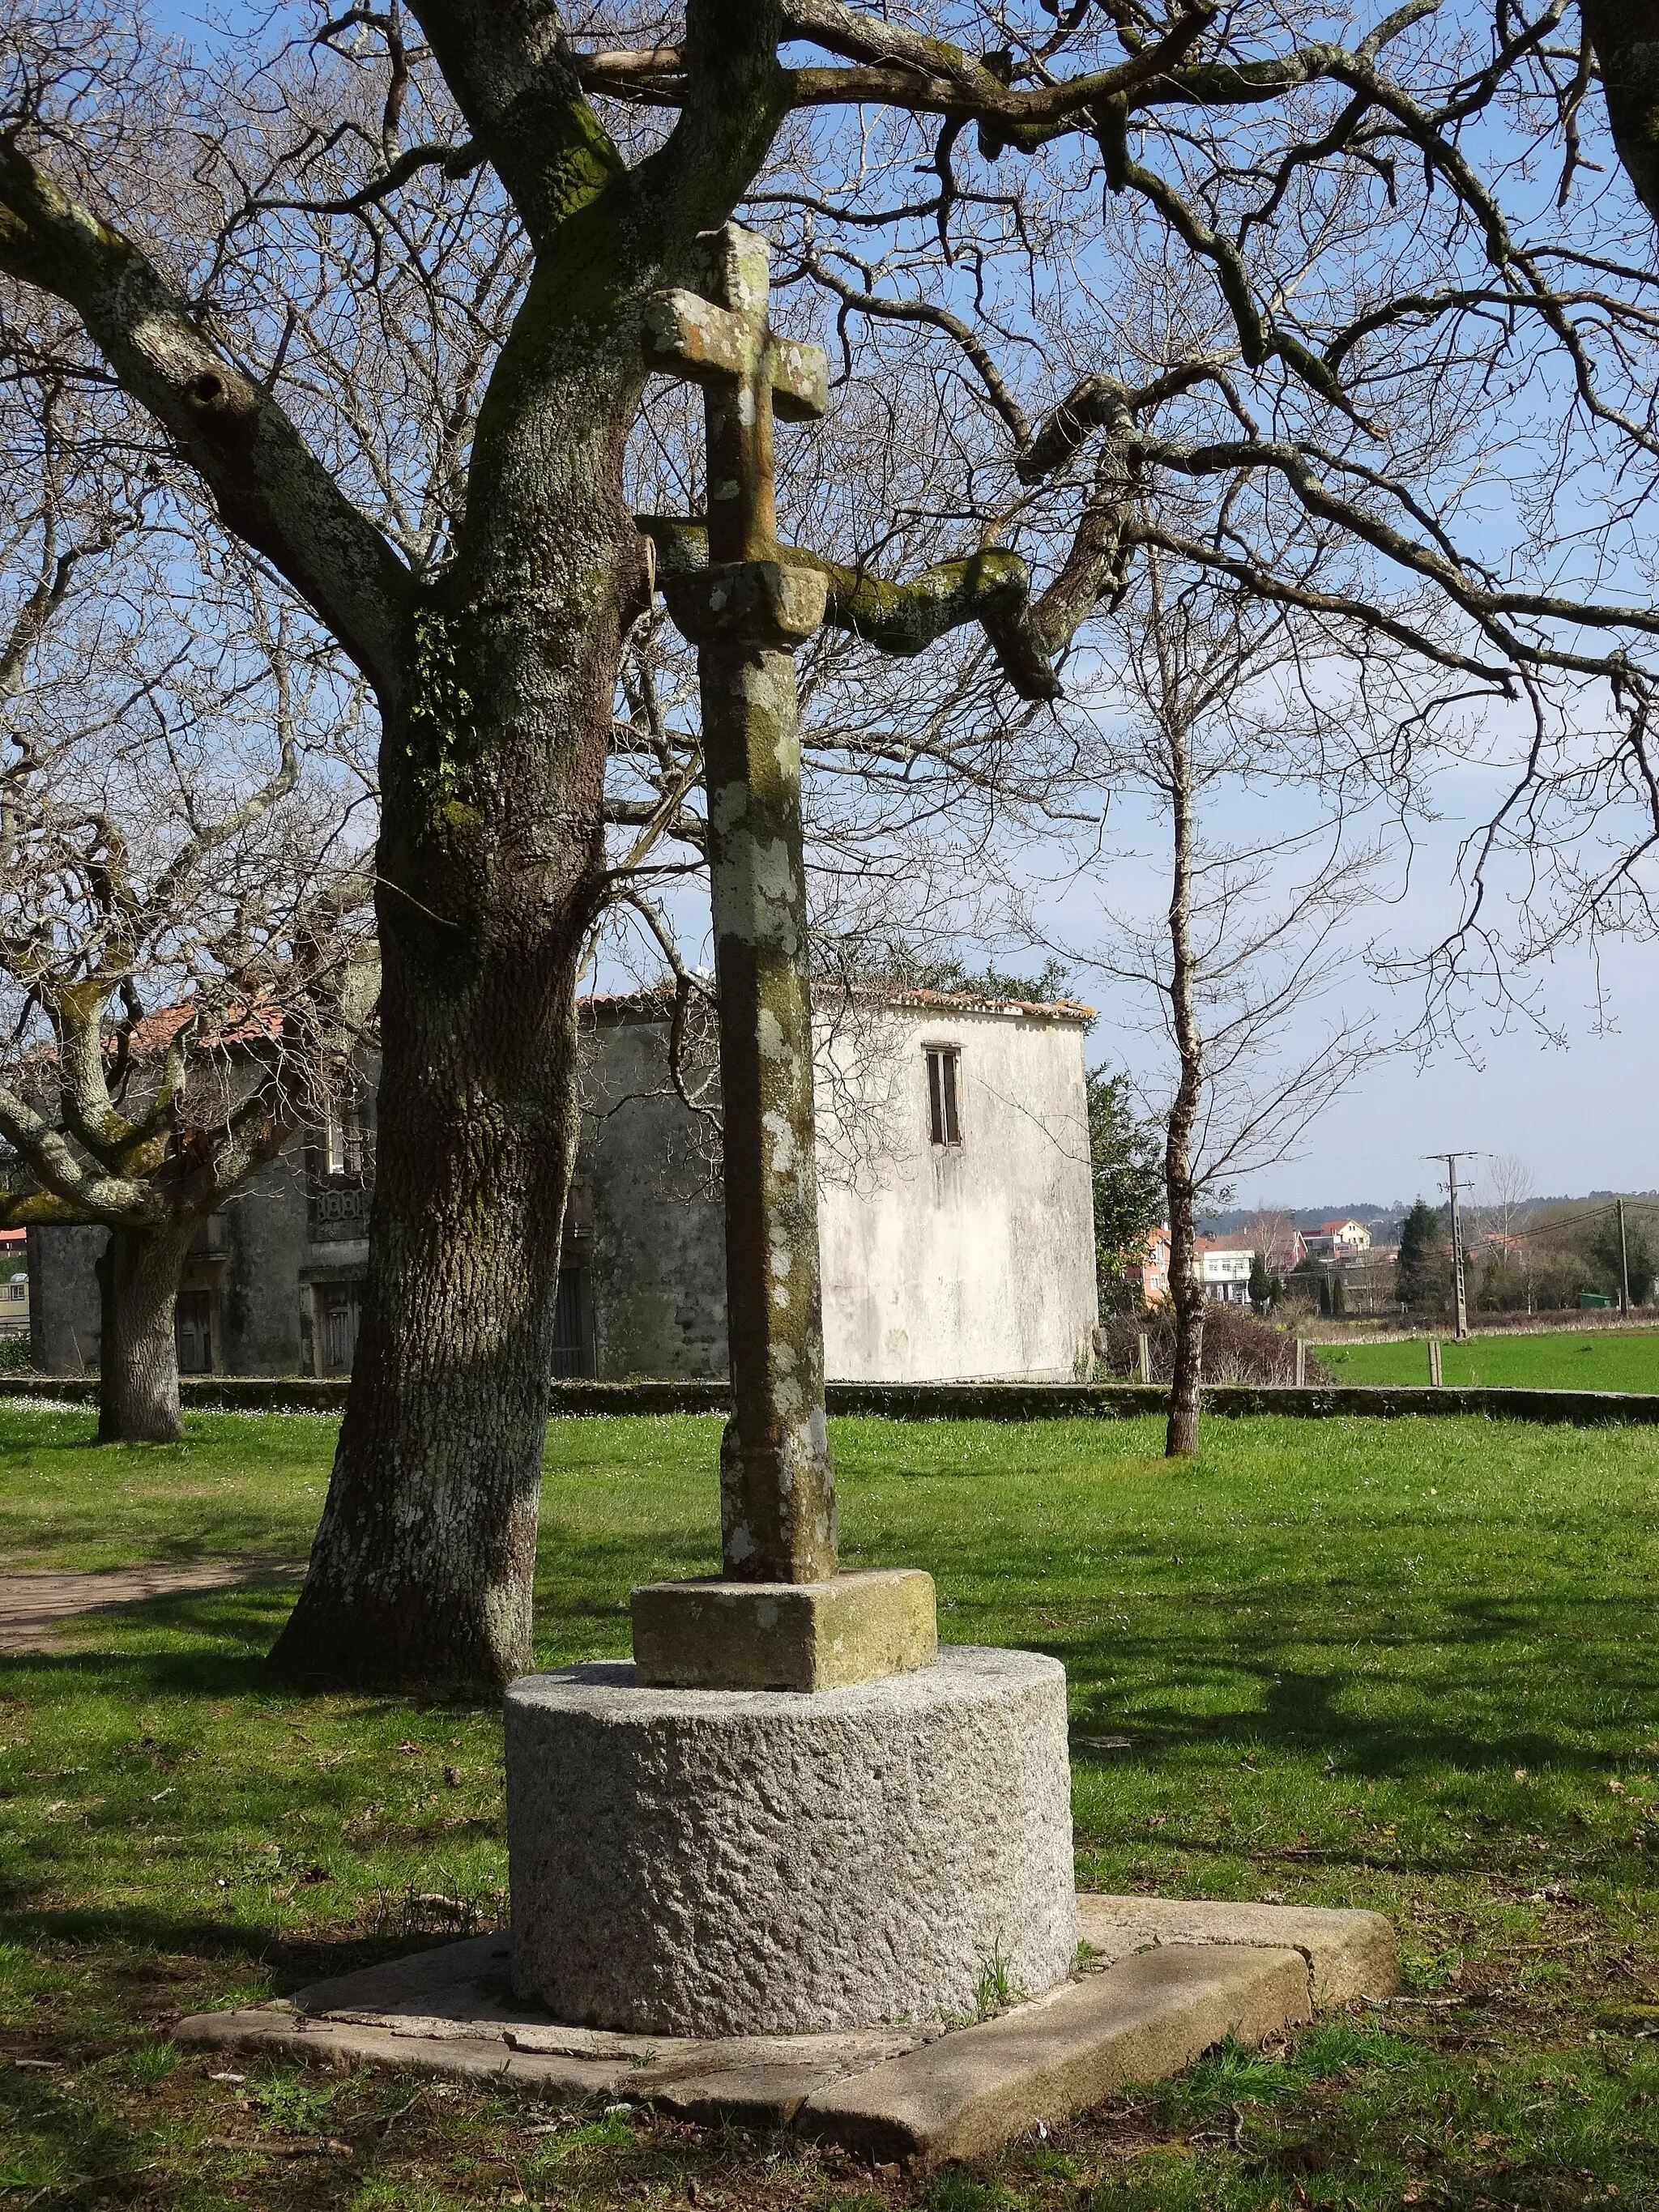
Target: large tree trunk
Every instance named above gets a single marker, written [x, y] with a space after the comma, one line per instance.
[1624, 34]
[490, 870]
[490, 859]
[138, 1361]
[423, 1565]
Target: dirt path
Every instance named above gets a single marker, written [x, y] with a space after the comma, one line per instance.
[36, 1602]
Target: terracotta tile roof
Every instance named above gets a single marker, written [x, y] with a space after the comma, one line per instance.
[969, 1002]
[965, 1002]
[241, 1026]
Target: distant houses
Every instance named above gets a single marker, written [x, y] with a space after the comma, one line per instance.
[1337, 1240]
[1154, 1267]
[1335, 1266]
[1222, 1264]
[1282, 1246]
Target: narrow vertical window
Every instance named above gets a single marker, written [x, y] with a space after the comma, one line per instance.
[343, 1137]
[944, 1125]
[351, 1139]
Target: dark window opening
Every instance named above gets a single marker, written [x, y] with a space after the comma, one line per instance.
[572, 1334]
[943, 1122]
[192, 1322]
[344, 1149]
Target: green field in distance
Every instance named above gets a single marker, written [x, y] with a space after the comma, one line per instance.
[1602, 1359]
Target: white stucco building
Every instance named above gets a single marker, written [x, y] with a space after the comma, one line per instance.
[1223, 1268]
[1338, 1240]
[955, 1205]
[955, 1213]
[959, 1240]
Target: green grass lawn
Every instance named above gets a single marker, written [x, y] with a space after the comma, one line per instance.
[1408, 1665]
[1625, 1360]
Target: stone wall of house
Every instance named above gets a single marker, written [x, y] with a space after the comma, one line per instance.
[65, 1320]
[264, 1239]
[656, 1248]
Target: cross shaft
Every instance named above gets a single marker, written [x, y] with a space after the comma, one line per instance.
[746, 613]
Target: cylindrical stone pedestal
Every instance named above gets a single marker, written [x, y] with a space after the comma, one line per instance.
[757, 1861]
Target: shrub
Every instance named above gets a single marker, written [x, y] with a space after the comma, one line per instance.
[1238, 1347]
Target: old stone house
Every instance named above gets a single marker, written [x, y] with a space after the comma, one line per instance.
[14, 1286]
[955, 1211]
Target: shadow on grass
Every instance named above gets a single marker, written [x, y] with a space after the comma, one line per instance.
[221, 1641]
[140, 1928]
[62, 2150]
[1589, 1653]
[1236, 1663]
[1581, 1656]
[87, 2150]
[293, 1958]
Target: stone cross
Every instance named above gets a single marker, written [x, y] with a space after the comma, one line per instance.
[747, 612]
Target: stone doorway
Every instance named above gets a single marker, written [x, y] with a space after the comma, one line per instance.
[193, 1327]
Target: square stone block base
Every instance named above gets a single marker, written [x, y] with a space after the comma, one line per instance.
[1161, 1983]
[717, 1635]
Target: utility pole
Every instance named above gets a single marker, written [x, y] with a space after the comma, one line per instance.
[1623, 1265]
[1461, 1304]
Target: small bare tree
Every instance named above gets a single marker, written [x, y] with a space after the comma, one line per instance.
[1217, 700]
[1505, 1194]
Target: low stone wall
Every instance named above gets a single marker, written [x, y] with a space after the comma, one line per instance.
[937, 1402]
[1022, 1402]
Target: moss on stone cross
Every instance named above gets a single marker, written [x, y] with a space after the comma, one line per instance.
[746, 610]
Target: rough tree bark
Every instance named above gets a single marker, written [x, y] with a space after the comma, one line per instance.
[1186, 1291]
[138, 1360]
[1625, 36]
[490, 871]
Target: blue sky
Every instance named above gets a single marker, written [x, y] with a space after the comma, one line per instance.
[1583, 1117]
[1572, 1092]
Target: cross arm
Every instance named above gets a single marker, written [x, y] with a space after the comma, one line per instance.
[990, 588]
[799, 377]
[689, 336]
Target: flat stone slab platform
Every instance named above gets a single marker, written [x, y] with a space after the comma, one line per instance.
[1162, 1982]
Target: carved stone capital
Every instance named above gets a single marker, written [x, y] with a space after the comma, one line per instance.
[757, 602]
